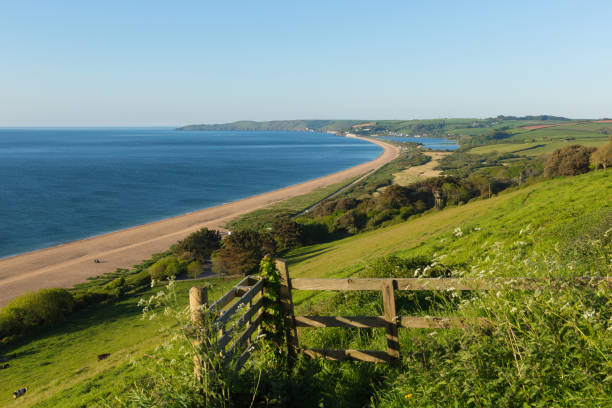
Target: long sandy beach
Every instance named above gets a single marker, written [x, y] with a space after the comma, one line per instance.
[68, 264]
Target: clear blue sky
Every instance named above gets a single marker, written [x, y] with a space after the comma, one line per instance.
[90, 63]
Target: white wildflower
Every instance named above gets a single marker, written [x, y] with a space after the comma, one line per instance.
[589, 314]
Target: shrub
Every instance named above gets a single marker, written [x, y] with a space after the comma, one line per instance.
[84, 299]
[142, 278]
[602, 157]
[194, 269]
[243, 251]
[315, 232]
[351, 222]
[199, 245]
[33, 310]
[568, 161]
[167, 267]
[116, 283]
[288, 234]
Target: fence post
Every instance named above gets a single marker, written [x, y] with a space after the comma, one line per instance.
[390, 315]
[198, 299]
[287, 309]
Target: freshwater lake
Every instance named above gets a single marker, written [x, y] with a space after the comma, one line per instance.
[59, 185]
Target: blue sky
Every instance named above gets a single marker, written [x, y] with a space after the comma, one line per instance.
[138, 63]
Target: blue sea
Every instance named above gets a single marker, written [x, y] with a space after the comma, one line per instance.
[436, 143]
[60, 185]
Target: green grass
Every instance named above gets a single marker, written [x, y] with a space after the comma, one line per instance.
[548, 228]
[545, 348]
[60, 366]
[266, 216]
[534, 149]
[542, 205]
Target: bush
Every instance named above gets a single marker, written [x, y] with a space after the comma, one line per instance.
[167, 267]
[199, 245]
[194, 269]
[84, 299]
[288, 234]
[602, 157]
[351, 222]
[35, 309]
[243, 251]
[142, 278]
[568, 161]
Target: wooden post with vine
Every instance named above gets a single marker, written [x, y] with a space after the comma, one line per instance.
[198, 300]
[286, 302]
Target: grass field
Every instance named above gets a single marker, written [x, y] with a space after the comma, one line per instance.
[539, 229]
[266, 216]
[60, 367]
[542, 206]
[534, 149]
[546, 140]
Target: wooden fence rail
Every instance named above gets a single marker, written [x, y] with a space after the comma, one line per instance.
[235, 328]
[390, 321]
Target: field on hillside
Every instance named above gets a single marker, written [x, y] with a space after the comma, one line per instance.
[555, 227]
[542, 205]
[546, 140]
[60, 366]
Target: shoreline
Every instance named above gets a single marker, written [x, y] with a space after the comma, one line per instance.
[67, 264]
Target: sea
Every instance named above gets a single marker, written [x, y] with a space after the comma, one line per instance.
[60, 185]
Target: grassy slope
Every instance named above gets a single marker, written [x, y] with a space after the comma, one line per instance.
[538, 230]
[267, 216]
[542, 205]
[546, 140]
[60, 367]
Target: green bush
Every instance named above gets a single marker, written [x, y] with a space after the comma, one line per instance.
[167, 267]
[84, 299]
[140, 279]
[194, 269]
[243, 251]
[35, 309]
[199, 245]
[569, 161]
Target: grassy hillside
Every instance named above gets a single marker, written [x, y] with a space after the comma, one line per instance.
[453, 127]
[554, 227]
[60, 367]
[543, 206]
[286, 125]
[548, 348]
[536, 142]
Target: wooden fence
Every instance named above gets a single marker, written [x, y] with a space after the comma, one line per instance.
[248, 293]
[390, 321]
[235, 327]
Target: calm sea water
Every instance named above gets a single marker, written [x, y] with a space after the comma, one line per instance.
[59, 185]
[436, 143]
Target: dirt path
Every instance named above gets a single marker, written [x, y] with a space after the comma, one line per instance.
[412, 174]
[68, 264]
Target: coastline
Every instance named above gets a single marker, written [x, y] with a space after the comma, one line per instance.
[68, 264]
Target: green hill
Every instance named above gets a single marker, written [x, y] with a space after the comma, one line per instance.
[278, 125]
[554, 227]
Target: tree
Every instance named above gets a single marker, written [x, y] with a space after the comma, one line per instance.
[199, 245]
[602, 157]
[289, 234]
[243, 251]
[568, 161]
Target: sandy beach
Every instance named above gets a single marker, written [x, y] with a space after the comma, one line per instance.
[72, 263]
